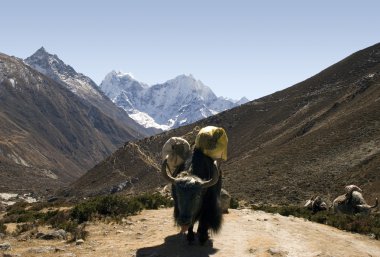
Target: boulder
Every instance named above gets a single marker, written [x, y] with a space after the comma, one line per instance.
[5, 246]
[56, 235]
[225, 200]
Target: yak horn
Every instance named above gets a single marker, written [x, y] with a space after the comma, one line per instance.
[214, 179]
[165, 171]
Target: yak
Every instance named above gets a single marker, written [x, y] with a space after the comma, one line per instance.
[196, 193]
[316, 204]
[352, 202]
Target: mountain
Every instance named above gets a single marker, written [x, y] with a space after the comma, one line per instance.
[53, 67]
[48, 133]
[310, 139]
[177, 102]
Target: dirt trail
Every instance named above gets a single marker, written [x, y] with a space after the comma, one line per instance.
[244, 233]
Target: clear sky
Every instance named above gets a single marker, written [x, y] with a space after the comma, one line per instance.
[238, 48]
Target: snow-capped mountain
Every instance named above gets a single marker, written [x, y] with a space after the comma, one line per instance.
[53, 67]
[180, 101]
[47, 133]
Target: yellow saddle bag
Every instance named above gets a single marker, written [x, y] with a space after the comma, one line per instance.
[212, 141]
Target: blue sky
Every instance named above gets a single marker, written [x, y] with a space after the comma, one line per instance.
[237, 48]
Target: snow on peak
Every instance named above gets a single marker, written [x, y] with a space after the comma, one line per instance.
[189, 86]
[115, 83]
[125, 74]
[54, 68]
[120, 74]
[179, 101]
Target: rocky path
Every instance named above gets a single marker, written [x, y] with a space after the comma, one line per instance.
[244, 233]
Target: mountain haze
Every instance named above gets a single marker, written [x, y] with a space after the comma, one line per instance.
[312, 138]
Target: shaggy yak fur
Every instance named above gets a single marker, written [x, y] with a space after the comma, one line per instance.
[207, 210]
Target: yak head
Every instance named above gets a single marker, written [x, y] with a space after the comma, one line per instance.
[188, 191]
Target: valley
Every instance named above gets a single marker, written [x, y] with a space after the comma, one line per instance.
[244, 233]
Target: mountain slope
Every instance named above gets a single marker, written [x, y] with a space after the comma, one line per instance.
[177, 102]
[46, 128]
[312, 138]
[81, 85]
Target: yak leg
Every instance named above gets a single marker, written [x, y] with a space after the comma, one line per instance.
[190, 234]
[202, 232]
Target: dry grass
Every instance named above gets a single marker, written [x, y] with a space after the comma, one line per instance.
[363, 224]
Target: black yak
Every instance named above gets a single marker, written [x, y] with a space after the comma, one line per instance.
[196, 193]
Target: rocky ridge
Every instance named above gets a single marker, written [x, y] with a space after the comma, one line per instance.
[49, 135]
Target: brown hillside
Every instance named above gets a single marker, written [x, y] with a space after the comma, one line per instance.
[312, 138]
[46, 129]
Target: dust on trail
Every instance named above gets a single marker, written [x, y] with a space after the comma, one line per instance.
[244, 233]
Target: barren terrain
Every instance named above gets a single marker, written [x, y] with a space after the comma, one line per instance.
[313, 138]
[244, 233]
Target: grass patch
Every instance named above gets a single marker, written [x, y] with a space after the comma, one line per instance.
[3, 228]
[115, 206]
[112, 207]
[21, 228]
[363, 224]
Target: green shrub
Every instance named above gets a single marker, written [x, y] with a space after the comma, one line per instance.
[60, 220]
[17, 207]
[3, 228]
[72, 221]
[110, 205]
[117, 205]
[46, 205]
[154, 201]
[84, 211]
[234, 204]
[79, 232]
[363, 224]
[27, 215]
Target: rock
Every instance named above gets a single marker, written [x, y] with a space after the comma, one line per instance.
[119, 231]
[11, 255]
[52, 199]
[44, 249]
[59, 249]
[277, 253]
[2, 235]
[79, 242]
[372, 236]
[225, 200]
[5, 246]
[39, 234]
[68, 255]
[59, 235]
[28, 235]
